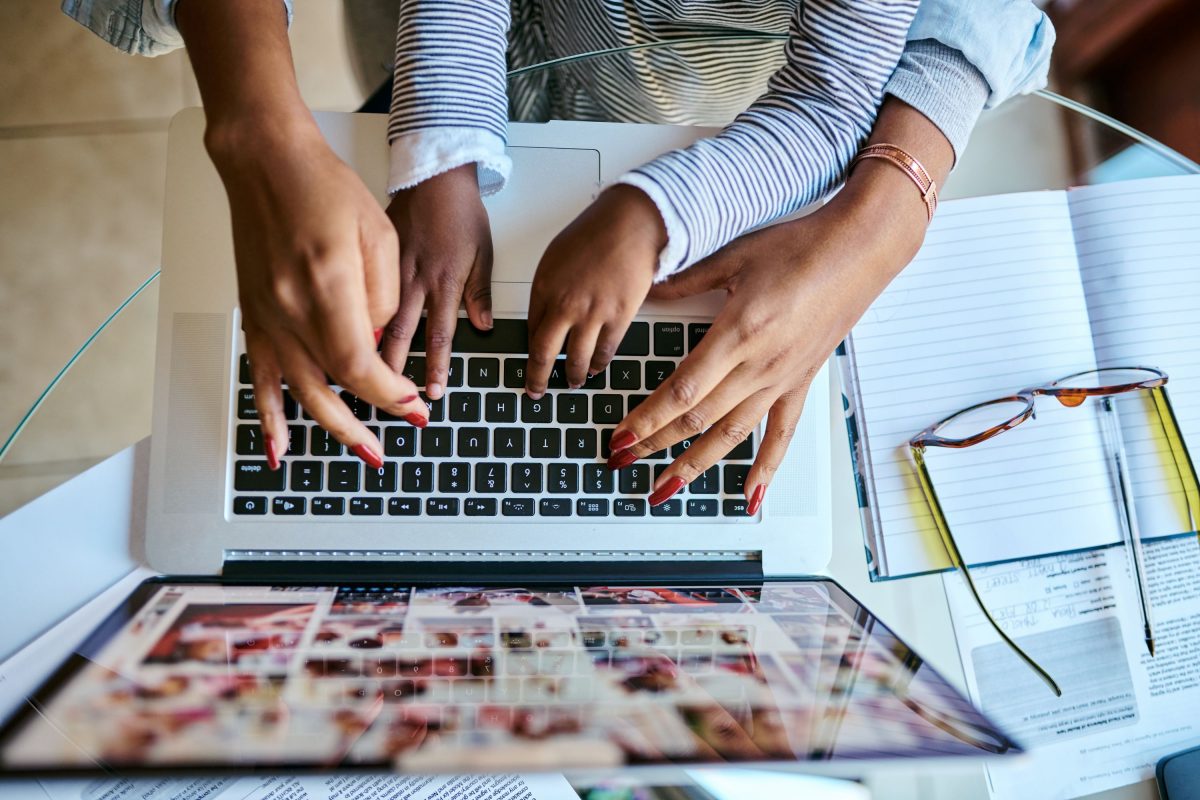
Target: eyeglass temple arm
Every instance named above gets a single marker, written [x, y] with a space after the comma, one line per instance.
[1180, 454]
[956, 560]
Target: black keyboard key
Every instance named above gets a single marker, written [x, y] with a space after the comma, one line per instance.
[635, 400]
[707, 482]
[735, 478]
[437, 409]
[399, 441]
[465, 407]
[696, 332]
[297, 439]
[343, 476]
[307, 476]
[472, 442]
[536, 411]
[254, 476]
[558, 375]
[595, 381]
[480, 507]
[659, 469]
[506, 336]
[702, 508]
[245, 404]
[657, 455]
[454, 372]
[562, 478]
[382, 479]
[625, 374]
[500, 407]
[490, 477]
[591, 507]
[414, 369]
[322, 443]
[597, 479]
[514, 373]
[545, 443]
[442, 507]
[629, 508]
[483, 373]
[734, 508]
[252, 506]
[404, 506]
[572, 408]
[360, 408]
[527, 478]
[366, 506]
[454, 477]
[671, 508]
[554, 507]
[635, 479]
[291, 409]
[743, 451]
[636, 341]
[605, 438]
[243, 368]
[668, 339]
[679, 448]
[607, 409]
[436, 442]
[657, 372]
[328, 506]
[581, 443]
[517, 507]
[508, 442]
[249, 441]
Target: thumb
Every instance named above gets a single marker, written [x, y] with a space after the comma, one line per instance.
[477, 293]
[714, 272]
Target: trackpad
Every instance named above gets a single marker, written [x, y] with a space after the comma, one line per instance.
[548, 188]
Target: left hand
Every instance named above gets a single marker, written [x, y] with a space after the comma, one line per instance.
[794, 291]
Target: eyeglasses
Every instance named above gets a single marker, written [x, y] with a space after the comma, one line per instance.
[983, 421]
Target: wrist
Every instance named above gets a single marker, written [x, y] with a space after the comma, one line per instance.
[882, 201]
[634, 214]
[235, 141]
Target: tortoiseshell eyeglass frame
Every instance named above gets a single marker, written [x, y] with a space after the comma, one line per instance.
[1072, 396]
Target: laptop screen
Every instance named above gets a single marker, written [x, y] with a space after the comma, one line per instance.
[194, 676]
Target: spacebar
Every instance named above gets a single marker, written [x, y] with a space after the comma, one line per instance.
[506, 336]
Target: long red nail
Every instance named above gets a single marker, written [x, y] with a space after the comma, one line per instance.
[621, 459]
[416, 420]
[368, 455]
[621, 440]
[664, 493]
[756, 499]
[272, 457]
[378, 336]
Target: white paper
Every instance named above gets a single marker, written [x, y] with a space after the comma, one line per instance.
[1078, 616]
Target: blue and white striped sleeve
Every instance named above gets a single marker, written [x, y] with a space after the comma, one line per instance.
[793, 144]
[137, 27]
[449, 99]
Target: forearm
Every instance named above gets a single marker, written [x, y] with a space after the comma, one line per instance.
[243, 63]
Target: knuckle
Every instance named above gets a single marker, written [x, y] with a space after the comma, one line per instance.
[604, 353]
[446, 280]
[683, 391]
[733, 433]
[438, 338]
[400, 329]
[689, 468]
[354, 368]
[691, 422]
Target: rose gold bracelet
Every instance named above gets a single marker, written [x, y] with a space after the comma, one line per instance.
[908, 165]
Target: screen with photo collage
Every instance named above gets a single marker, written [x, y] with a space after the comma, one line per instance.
[462, 678]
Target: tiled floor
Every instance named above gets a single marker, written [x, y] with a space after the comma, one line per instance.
[82, 155]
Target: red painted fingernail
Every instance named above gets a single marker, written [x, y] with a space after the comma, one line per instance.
[272, 457]
[664, 493]
[621, 459]
[378, 335]
[621, 440]
[368, 455]
[756, 499]
[416, 420]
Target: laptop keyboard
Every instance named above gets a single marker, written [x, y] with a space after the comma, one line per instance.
[489, 450]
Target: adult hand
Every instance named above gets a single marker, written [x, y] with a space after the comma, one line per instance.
[794, 291]
[445, 259]
[316, 260]
[589, 284]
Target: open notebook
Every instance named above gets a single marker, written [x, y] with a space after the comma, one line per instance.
[1014, 291]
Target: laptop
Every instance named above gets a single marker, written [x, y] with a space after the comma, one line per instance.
[494, 476]
[420, 619]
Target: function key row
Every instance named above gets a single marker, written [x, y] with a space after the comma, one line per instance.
[248, 505]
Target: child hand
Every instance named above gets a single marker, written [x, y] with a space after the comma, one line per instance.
[589, 284]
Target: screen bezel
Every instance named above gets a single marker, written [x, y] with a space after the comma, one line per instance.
[99, 637]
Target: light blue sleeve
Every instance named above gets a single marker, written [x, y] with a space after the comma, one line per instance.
[138, 27]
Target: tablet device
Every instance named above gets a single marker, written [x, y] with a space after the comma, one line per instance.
[191, 675]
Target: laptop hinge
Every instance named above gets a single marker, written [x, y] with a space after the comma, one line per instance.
[492, 568]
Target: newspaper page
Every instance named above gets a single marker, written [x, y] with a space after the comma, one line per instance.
[1078, 615]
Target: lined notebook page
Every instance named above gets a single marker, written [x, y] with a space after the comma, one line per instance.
[1139, 253]
[992, 304]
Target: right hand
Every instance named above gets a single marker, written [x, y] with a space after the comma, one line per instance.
[316, 262]
[445, 261]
